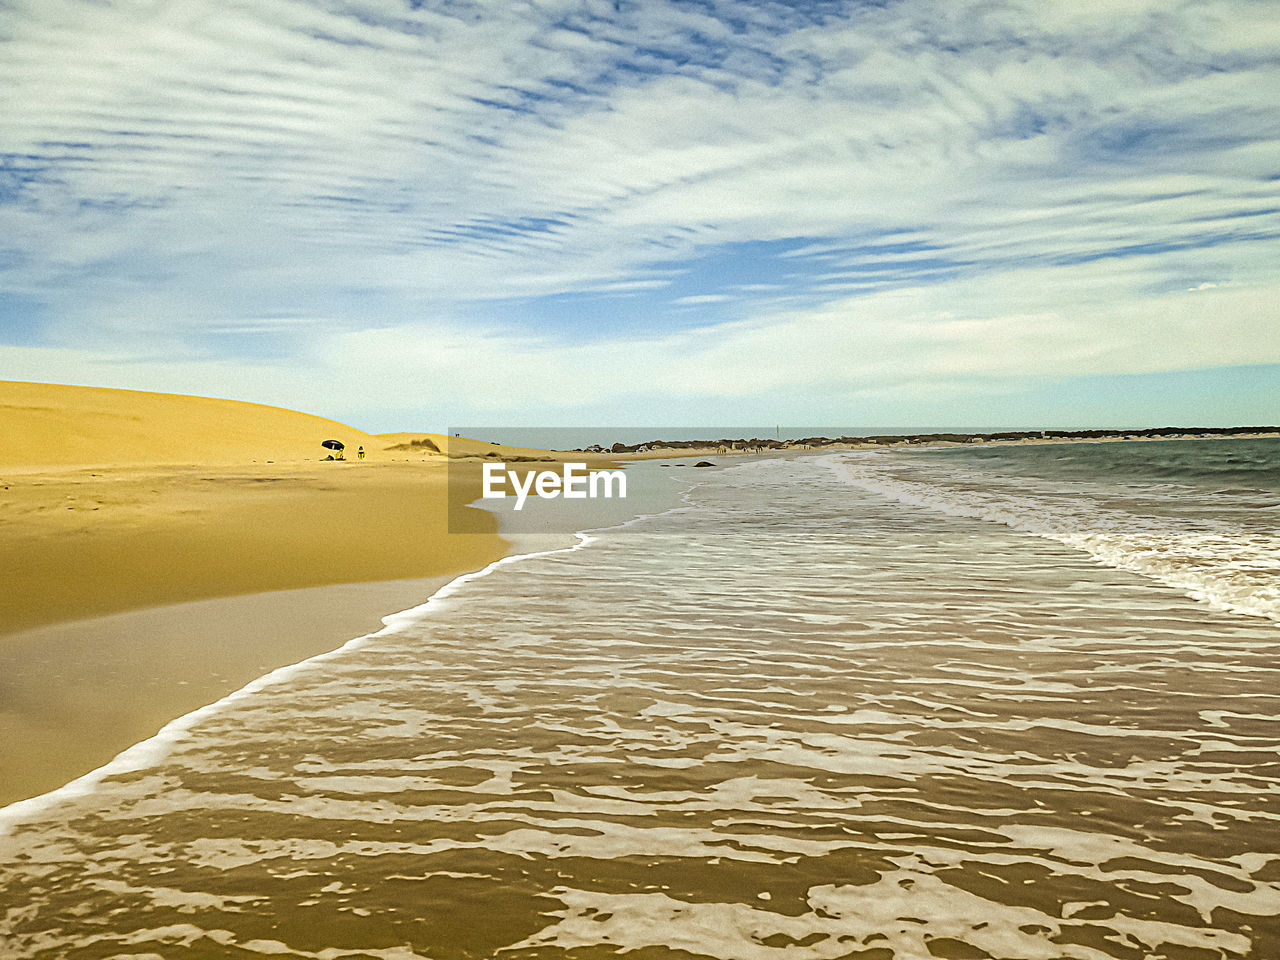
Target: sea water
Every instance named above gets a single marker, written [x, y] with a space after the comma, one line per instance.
[1199, 515]
[907, 704]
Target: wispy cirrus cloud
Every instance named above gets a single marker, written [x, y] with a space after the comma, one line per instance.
[543, 186]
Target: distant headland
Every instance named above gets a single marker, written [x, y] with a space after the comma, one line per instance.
[761, 444]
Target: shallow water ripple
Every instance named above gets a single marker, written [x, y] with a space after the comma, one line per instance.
[795, 720]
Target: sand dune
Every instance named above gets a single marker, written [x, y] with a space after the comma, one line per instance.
[56, 425]
[49, 425]
[114, 500]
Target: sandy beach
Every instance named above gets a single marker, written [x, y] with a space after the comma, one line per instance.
[800, 705]
[160, 551]
[689, 727]
[116, 500]
[720, 481]
[87, 542]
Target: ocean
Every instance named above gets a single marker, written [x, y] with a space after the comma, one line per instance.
[989, 701]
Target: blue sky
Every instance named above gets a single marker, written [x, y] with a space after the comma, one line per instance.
[408, 215]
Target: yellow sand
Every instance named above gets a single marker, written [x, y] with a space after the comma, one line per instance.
[57, 426]
[113, 500]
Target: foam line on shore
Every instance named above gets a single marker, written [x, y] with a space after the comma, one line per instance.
[155, 748]
[1145, 547]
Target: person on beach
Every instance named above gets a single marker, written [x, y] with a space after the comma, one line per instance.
[360, 452]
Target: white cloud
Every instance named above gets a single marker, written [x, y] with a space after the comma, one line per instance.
[703, 298]
[914, 346]
[178, 172]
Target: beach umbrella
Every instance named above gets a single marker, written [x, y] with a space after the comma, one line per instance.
[334, 445]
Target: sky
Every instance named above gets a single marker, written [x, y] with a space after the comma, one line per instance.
[410, 214]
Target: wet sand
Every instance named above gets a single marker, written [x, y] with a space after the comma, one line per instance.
[73, 695]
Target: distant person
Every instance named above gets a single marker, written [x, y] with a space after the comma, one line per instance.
[360, 453]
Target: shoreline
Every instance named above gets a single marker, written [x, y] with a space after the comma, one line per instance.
[279, 801]
[342, 606]
[82, 699]
[142, 594]
[135, 595]
[76, 694]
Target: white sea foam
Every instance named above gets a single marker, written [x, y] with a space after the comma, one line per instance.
[1221, 564]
